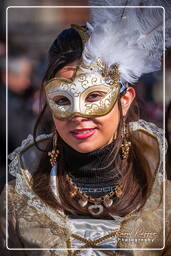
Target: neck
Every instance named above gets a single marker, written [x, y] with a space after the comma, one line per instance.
[92, 171]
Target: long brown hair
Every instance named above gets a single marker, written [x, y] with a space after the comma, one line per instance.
[134, 180]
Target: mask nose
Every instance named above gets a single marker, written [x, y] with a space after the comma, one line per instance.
[77, 111]
[76, 105]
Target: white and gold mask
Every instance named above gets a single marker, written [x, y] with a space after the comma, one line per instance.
[90, 93]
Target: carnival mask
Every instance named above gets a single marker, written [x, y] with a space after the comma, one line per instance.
[90, 93]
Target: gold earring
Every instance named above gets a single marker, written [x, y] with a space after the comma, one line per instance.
[55, 152]
[126, 144]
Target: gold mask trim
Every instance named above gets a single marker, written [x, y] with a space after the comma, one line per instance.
[87, 81]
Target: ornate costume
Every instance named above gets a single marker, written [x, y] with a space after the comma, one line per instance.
[33, 224]
[118, 50]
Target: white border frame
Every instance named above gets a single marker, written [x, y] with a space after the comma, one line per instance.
[164, 140]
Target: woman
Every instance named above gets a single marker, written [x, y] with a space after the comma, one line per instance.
[101, 192]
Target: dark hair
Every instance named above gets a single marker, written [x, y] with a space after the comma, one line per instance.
[134, 180]
[66, 48]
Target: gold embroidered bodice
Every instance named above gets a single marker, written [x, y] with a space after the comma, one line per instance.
[33, 224]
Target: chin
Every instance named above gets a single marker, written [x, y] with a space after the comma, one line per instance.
[83, 148]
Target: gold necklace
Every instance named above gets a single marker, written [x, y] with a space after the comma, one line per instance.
[94, 205]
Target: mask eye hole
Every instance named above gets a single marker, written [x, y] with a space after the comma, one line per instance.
[95, 96]
[62, 100]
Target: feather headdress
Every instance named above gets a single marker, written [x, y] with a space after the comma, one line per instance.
[129, 35]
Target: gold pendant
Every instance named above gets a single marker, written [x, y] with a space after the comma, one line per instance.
[95, 209]
[107, 202]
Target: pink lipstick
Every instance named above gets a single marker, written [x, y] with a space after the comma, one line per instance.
[83, 133]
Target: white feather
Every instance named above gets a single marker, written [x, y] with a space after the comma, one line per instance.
[130, 37]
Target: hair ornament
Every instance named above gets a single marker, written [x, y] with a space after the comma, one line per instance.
[129, 34]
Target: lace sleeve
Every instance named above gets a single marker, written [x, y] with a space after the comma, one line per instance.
[159, 134]
[13, 238]
[14, 166]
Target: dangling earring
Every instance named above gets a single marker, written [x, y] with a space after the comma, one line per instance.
[126, 144]
[55, 152]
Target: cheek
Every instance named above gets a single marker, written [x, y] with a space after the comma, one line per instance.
[110, 121]
[60, 127]
[108, 126]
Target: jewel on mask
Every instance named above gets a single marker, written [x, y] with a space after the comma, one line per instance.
[108, 80]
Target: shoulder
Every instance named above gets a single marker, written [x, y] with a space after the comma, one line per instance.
[147, 127]
[150, 142]
[26, 155]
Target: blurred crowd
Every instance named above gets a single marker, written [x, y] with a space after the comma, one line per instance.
[24, 80]
[18, 117]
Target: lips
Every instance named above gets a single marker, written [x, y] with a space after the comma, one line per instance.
[83, 133]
